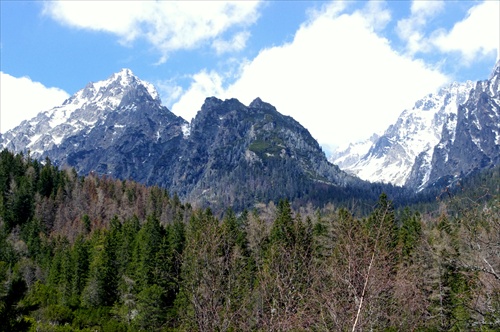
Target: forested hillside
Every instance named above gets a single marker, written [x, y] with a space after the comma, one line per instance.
[98, 254]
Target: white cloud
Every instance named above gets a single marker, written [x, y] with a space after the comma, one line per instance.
[426, 8]
[376, 14]
[237, 43]
[476, 35]
[337, 77]
[167, 25]
[21, 98]
[169, 91]
[205, 84]
[411, 29]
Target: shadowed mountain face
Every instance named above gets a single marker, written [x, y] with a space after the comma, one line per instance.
[230, 154]
[236, 153]
[475, 144]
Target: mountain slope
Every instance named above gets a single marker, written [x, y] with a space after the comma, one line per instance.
[416, 132]
[231, 154]
[475, 142]
[110, 127]
[450, 132]
[253, 153]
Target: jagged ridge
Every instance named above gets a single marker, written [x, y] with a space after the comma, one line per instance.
[413, 151]
[231, 154]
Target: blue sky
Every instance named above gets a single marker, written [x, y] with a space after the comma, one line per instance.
[343, 69]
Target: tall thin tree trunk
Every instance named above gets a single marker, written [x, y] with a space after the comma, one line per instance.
[368, 272]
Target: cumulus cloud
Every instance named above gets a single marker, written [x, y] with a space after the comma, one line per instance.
[338, 78]
[411, 29]
[21, 98]
[167, 25]
[204, 84]
[237, 43]
[478, 34]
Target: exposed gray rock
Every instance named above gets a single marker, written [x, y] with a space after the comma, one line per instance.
[229, 155]
[476, 144]
[446, 135]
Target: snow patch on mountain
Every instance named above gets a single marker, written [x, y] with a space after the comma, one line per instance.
[78, 114]
[352, 153]
[186, 130]
[390, 157]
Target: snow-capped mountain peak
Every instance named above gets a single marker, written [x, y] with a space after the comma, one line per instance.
[454, 130]
[390, 157]
[110, 92]
[82, 111]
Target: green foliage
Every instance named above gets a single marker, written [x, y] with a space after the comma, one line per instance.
[282, 231]
[410, 232]
[150, 308]
[101, 284]
[267, 149]
[11, 309]
[86, 254]
[46, 184]
[80, 258]
[86, 222]
[148, 243]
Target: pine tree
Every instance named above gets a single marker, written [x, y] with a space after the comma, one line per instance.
[80, 258]
[148, 243]
[102, 282]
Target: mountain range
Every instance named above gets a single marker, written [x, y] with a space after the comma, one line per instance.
[446, 135]
[236, 155]
[230, 153]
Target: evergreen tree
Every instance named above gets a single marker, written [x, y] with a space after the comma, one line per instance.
[148, 243]
[80, 258]
[150, 313]
[409, 233]
[101, 285]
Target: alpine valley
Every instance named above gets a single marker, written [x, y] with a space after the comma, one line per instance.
[446, 136]
[264, 234]
[237, 155]
[230, 154]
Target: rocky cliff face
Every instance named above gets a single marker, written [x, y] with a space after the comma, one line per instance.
[113, 127]
[238, 153]
[448, 133]
[230, 154]
[474, 144]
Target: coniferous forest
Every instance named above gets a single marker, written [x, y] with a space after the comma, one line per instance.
[99, 254]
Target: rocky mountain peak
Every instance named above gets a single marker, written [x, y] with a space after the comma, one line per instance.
[117, 89]
[214, 111]
[258, 103]
[453, 131]
[495, 74]
[211, 102]
[96, 103]
[124, 74]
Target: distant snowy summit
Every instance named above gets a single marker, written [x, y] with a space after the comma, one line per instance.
[390, 157]
[424, 144]
[230, 153]
[118, 127]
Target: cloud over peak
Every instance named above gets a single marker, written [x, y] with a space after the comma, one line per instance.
[330, 78]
